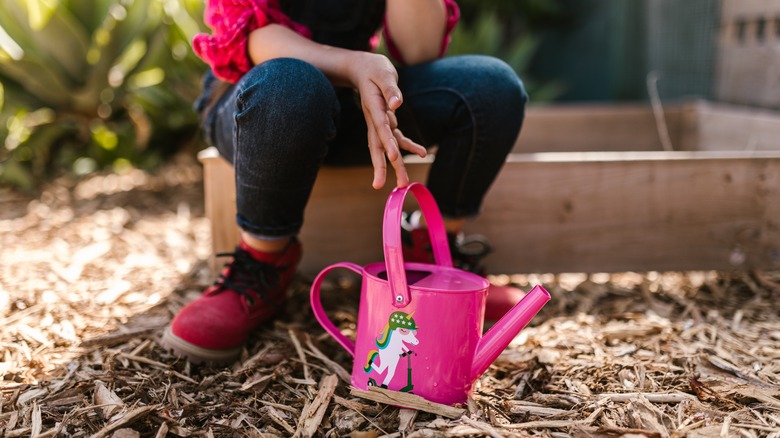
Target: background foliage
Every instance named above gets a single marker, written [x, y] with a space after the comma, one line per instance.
[86, 85]
[90, 84]
[509, 30]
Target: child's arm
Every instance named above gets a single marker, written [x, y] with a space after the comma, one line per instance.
[418, 28]
[371, 74]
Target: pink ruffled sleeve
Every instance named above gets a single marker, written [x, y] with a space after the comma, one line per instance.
[231, 21]
[453, 15]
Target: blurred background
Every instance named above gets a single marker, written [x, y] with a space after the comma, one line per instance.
[109, 84]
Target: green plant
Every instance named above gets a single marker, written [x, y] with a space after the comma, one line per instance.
[517, 16]
[487, 34]
[89, 84]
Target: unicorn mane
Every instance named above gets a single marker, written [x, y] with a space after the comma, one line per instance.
[384, 337]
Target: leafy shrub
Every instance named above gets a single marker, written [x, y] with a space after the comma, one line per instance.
[507, 29]
[90, 84]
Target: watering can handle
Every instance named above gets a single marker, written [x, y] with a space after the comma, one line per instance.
[319, 312]
[394, 260]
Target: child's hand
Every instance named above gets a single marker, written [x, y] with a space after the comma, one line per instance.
[377, 82]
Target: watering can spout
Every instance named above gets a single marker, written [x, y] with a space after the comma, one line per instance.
[501, 334]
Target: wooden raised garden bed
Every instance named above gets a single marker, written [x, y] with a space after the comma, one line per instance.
[588, 188]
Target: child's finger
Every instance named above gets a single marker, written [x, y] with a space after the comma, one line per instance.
[402, 177]
[392, 94]
[407, 144]
[393, 119]
[377, 158]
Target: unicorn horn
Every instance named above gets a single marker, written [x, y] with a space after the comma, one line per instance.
[409, 316]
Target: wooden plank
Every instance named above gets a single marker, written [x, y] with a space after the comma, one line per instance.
[607, 127]
[581, 212]
[595, 127]
[747, 62]
[407, 400]
[748, 75]
[687, 138]
[726, 127]
[732, 10]
[594, 212]
[220, 199]
[343, 220]
[617, 212]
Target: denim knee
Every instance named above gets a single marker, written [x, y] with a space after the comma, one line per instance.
[495, 80]
[290, 96]
[473, 107]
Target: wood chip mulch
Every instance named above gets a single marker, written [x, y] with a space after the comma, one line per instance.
[92, 271]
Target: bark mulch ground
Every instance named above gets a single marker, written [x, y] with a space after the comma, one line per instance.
[92, 271]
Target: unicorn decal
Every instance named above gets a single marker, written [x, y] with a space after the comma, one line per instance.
[393, 344]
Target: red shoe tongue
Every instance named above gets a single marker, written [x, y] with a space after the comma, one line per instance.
[265, 257]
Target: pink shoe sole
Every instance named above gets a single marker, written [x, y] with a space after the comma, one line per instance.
[198, 355]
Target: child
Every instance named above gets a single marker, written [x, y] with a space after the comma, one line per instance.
[293, 86]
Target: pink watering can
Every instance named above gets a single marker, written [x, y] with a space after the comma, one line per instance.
[419, 326]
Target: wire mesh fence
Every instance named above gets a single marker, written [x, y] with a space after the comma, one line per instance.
[682, 38]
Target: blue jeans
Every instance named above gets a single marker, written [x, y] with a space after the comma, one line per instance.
[284, 120]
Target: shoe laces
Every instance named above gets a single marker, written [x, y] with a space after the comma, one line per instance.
[248, 277]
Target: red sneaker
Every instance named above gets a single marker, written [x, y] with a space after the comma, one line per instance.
[250, 290]
[467, 251]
